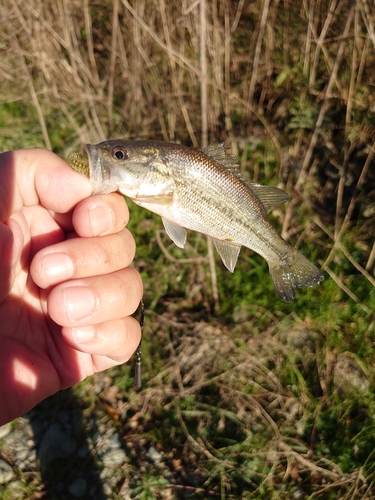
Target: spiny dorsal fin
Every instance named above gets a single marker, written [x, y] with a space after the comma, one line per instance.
[270, 196]
[218, 153]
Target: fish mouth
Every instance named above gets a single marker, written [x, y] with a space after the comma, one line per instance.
[99, 174]
[95, 169]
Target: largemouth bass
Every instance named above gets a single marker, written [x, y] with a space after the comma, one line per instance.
[205, 192]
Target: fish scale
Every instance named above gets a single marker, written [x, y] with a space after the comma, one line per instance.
[240, 206]
[202, 191]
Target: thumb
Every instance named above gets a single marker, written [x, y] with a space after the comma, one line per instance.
[30, 177]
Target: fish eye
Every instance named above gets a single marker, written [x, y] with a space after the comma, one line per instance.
[120, 153]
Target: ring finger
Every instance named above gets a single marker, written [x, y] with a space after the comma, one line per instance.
[95, 300]
[75, 258]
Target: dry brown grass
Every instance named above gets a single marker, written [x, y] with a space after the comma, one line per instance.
[291, 86]
[133, 70]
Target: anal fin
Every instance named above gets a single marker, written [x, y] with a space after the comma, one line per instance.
[228, 253]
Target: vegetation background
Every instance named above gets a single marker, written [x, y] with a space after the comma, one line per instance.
[244, 396]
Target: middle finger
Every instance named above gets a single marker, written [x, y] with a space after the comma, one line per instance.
[82, 257]
[95, 300]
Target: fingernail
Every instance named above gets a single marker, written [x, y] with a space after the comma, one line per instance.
[83, 334]
[101, 218]
[57, 267]
[79, 302]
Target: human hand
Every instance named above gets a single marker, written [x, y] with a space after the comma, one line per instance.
[66, 291]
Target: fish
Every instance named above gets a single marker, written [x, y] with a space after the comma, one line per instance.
[202, 191]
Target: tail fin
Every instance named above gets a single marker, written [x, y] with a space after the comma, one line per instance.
[296, 272]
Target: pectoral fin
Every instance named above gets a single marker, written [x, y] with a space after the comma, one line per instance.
[176, 233]
[228, 253]
[270, 196]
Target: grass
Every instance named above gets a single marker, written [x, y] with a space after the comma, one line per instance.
[245, 396]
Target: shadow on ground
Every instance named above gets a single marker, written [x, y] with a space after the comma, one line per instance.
[64, 442]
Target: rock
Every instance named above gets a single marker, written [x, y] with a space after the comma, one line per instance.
[155, 456]
[78, 488]
[114, 442]
[115, 457]
[56, 445]
[6, 472]
[350, 374]
[107, 490]
[5, 430]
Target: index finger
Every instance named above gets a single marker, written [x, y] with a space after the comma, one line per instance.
[100, 215]
[97, 215]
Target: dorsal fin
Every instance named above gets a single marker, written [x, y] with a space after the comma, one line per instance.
[270, 196]
[218, 153]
